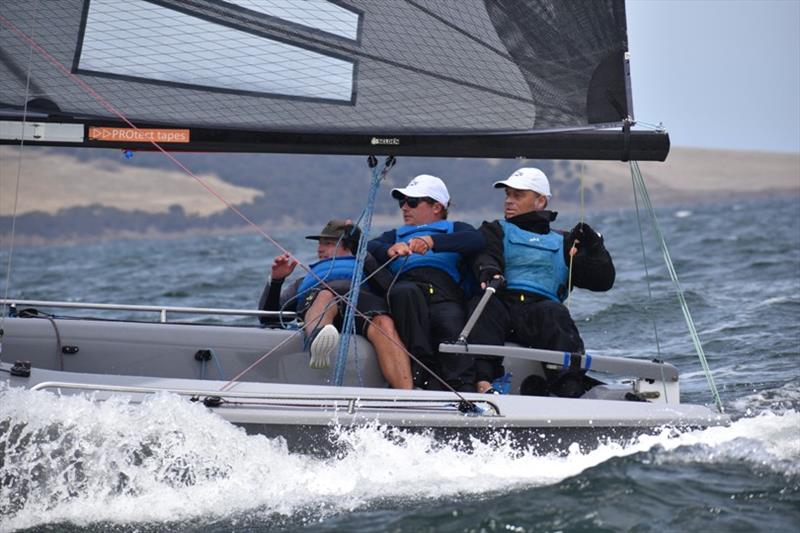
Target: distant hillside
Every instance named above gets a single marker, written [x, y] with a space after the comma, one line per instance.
[697, 175]
[69, 194]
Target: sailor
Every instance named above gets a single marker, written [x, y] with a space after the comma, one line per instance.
[426, 298]
[323, 315]
[535, 262]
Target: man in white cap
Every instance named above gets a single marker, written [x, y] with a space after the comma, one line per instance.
[427, 299]
[534, 261]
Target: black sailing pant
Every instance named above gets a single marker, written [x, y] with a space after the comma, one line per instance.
[530, 321]
[425, 316]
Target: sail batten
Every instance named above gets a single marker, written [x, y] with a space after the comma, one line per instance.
[370, 68]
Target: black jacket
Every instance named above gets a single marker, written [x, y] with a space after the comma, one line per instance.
[592, 267]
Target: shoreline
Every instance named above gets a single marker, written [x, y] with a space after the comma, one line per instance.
[687, 201]
[73, 200]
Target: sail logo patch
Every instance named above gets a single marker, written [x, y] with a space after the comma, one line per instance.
[142, 135]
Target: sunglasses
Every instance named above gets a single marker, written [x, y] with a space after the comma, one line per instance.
[412, 202]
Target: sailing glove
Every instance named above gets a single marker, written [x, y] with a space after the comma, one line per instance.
[588, 237]
[488, 273]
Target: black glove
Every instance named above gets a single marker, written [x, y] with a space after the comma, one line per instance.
[587, 237]
[487, 274]
[497, 283]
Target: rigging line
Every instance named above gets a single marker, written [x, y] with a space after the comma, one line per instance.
[681, 298]
[646, 270]
[394, 280]
[648, 309]
[651, 126]
[112, 109]
[235, 379]
[16, 188]
[348, 327]
[574, 250]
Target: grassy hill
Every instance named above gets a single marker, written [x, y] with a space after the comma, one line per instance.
[70, 194]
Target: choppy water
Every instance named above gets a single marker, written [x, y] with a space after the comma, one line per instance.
[169, 465]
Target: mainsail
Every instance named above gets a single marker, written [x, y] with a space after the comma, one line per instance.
[501, 78]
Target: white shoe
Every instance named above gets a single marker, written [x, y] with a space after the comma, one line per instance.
[322, 346]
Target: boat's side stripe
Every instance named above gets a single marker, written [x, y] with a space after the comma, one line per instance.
[588, 362]
[566, 360]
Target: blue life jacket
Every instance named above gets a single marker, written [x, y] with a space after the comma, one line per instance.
[331, 269]
[446, 261]
[535, 262]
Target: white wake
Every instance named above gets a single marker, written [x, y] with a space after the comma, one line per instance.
[69, 459]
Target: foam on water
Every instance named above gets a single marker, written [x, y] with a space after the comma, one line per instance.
[69, 459]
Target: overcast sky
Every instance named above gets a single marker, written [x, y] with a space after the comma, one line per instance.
[718, 73]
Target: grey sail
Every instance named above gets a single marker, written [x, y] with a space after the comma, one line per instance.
[469, 78]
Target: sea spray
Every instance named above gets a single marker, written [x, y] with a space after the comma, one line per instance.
[71, 459]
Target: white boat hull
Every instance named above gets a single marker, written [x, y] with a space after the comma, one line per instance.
[283, 396]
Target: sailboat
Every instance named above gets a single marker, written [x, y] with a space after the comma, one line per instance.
[492, 79]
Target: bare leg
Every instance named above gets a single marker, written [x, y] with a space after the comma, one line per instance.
[321, 312]
[393, 360]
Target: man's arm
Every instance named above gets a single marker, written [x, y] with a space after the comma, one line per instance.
[271, 296]
[465, 240]
[592, 266]
[490, 261]
[379, 246]
[380, 281]
[270, 300]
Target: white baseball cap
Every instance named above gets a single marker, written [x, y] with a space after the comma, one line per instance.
[423, 186]
[527, 179]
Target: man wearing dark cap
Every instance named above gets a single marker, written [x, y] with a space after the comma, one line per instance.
[427, 299]
[323, 315]
[535, 262]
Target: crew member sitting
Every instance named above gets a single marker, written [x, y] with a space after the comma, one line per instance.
[535, 262]
[427, 301]
[314, 302]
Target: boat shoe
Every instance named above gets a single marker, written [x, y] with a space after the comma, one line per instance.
[323, 342]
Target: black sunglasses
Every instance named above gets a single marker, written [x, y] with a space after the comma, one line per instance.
[412, 202]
